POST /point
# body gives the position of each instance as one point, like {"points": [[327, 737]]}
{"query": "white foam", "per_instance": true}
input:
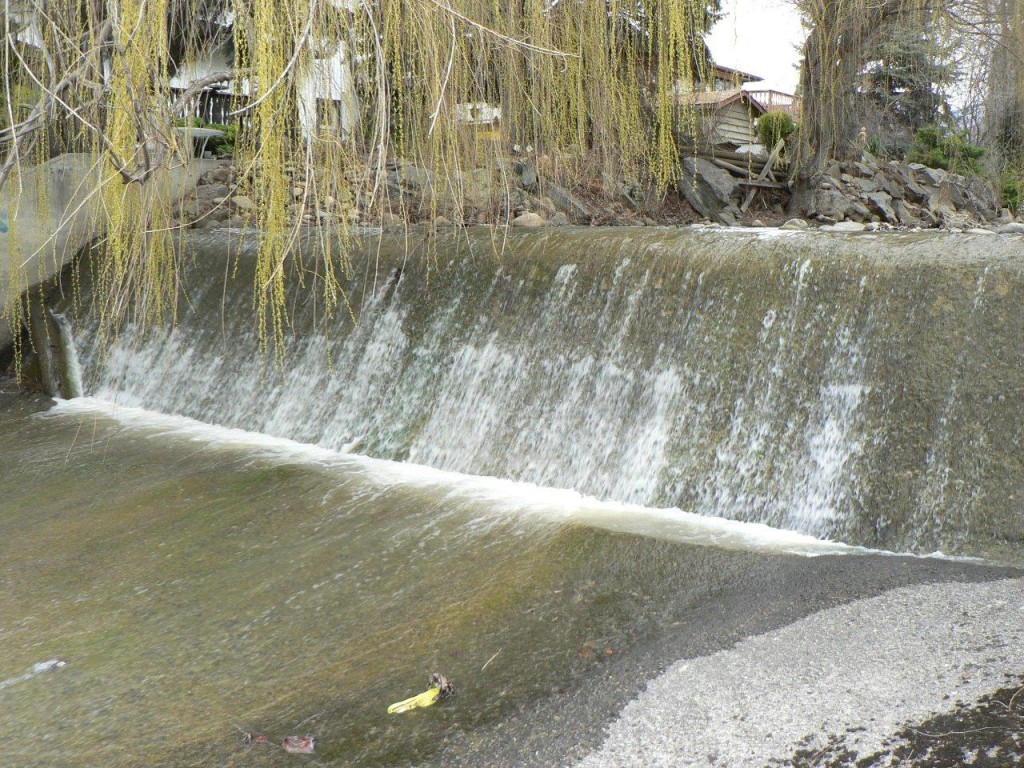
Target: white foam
{"points": [[500, 497], [39, 668]]}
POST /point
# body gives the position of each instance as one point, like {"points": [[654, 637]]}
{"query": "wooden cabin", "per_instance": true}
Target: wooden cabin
{"points": [[724, 118]]}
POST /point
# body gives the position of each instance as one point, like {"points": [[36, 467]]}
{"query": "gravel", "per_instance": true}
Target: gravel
{"points": [[854, 674]]}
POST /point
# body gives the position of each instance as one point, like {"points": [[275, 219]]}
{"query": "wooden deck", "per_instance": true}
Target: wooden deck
{"points": [[777, 101]]}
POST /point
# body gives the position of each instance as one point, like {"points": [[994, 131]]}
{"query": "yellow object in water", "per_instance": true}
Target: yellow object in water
{"points": [[439, 690], [425, 699]]}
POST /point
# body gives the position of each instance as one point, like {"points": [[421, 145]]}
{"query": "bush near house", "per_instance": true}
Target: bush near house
{"points": [[935, 147], [773, 126], [221, 146]]}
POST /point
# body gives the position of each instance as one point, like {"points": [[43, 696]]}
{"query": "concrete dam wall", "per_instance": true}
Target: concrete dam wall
{"points": [[863, 388]]}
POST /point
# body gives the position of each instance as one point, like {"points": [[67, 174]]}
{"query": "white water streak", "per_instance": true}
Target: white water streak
{"points": [[475, 495], [40, 668]]}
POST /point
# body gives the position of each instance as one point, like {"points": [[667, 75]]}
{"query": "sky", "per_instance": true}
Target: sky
{"points": [[761, 37]]}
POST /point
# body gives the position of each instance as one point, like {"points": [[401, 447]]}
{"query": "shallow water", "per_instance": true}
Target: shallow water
{"points": [[195, 583], [167, 585]]}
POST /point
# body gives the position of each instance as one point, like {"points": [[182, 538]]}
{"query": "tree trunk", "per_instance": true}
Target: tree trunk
{"points": [[834, 54], [1004, 104]]}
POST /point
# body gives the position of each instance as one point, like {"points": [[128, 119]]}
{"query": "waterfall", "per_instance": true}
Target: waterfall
{"points": [[793, 379], [71, 368]]}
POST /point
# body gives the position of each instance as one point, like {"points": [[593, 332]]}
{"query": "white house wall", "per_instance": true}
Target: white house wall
{"points": [[219, 60], [327, 79]]}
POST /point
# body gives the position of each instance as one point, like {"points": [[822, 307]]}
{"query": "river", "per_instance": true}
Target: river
{"points": [[547, 468]]}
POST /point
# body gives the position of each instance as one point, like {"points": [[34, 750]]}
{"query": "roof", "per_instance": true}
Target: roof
{"points": [[720, 99], [728, 73]]}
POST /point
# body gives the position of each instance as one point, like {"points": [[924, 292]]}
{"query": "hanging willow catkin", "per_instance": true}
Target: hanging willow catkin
{"points": [[591, 84]]}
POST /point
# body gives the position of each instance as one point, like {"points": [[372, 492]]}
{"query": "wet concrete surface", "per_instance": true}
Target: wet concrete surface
{"points": [[776, 594]]}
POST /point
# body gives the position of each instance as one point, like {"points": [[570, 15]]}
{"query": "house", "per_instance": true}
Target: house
{"points": [[325, 91], [777, 101], [726, 79], [724, 117]]}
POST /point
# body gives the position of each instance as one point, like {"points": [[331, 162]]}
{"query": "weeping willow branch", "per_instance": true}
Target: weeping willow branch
{"points": [[339, 99], [23, 134], [198, 86], [299, 50], [505, 39]]}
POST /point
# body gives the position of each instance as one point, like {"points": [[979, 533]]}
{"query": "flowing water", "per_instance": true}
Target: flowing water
{"points": [[865, 389], [515, 463]]}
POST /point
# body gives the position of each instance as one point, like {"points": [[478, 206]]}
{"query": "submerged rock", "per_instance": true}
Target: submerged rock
{"points": [[845, 226]]}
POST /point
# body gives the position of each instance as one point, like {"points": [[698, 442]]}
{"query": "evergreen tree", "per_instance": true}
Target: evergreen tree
{"points": [[904, 88]]}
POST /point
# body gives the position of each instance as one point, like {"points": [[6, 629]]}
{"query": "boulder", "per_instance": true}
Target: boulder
{"points": [[881, 203], [829, 203], [860, 212], [939, 202], [569, 204], [795, 224], [243, 203], [411, 178], [932, 176], [980, 198], [527, 171], [529, 220], [907, 213], [957, 220], [1013, 228], [211, 191], [712, 191], [478, 188], [891, 185], [865, 185], [866, 169], [389, 220]]}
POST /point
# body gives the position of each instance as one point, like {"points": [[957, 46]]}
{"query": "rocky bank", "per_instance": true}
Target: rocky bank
{"points": [[853, 195]]}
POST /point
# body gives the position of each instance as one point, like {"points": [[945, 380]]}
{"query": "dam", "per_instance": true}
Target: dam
{"points": [[863, 388], [563, 468]]}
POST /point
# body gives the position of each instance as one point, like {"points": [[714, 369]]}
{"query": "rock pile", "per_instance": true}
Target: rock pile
{"points": [[902, 195], [217, 202], [512, 192], [853, 195]]}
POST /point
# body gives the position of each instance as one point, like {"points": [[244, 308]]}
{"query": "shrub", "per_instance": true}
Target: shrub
{"points": [[223, 145], [936, 148], [1013, 190], [773, 126]]}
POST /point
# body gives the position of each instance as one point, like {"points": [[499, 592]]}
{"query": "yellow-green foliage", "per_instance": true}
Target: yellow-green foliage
{"points": [[139, 273], [592, 85]]}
